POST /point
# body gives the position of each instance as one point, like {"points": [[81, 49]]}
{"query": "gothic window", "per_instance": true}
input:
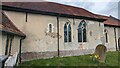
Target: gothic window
{"points": [[82, 32], [67, 33], [79, 33]]}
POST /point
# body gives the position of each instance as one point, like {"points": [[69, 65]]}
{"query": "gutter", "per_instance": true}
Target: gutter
{"points": [[12, 33], [115, 38], [20, 49], [112, 25], [119, 43], [58, 35]]}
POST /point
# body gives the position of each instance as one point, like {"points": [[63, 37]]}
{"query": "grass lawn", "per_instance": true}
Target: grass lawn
{"points": [[83, 60]]}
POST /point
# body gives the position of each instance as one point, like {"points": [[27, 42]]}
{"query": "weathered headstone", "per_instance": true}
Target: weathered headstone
{"points": [[101, 52]]}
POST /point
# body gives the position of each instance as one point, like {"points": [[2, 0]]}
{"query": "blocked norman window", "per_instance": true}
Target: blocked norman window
{"points": [[50, 27]]}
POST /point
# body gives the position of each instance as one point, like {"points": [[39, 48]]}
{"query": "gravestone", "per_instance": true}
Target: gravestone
{"points": [[101, 51]]}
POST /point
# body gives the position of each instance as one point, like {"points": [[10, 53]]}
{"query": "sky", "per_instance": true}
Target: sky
{"points": [[103, 7]]}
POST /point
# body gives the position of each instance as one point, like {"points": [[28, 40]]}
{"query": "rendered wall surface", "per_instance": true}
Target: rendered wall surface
{"points": [[3, 45], [0, 44], [111, 45], [36, 27], [40, 41], [15, 45], [96, 28]]}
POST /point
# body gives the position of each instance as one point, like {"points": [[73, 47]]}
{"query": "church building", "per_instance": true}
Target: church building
{"points": [[51, 29]]}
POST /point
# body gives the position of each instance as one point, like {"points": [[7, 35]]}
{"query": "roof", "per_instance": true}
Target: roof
{"points": [[51, 7], [61, 9], [111, 21], [7, 26]]}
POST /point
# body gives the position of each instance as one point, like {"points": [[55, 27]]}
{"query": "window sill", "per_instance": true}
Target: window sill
{"points": [[82, 42]]}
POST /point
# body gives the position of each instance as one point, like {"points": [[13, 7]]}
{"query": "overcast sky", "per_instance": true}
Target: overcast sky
{"points": [[103, 7]]}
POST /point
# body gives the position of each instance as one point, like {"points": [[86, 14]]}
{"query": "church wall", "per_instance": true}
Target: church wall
{"points": [[111, 45], [118, 36], [36, 27], [95, 34], [119, 31], [15, 45], [39, 43], [2, 43], [4, 38], [92, 41]]}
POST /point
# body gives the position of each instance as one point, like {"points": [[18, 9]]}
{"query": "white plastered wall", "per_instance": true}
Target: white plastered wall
{"points": [[38, 41]]}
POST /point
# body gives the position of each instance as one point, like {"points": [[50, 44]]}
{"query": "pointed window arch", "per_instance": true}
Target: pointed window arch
{"points": [[82, 32], [67, 33], [79, 33]]}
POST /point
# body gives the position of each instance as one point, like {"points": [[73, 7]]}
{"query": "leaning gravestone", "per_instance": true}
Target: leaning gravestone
{"points": [[101, 51]]}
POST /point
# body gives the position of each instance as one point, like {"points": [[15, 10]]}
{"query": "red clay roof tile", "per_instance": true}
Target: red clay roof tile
{"points": [[112, 21], [7, 26], [61, 9], [51, 7]]}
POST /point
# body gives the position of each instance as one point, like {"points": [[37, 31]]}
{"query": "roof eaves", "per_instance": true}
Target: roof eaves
{"points": [[4, 7], [111, 25], [9, 27]]}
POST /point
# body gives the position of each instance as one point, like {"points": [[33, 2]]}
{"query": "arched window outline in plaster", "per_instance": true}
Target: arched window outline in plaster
{"points": [[65, 33], [50, 28], [82, 36], [69, 33]]}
